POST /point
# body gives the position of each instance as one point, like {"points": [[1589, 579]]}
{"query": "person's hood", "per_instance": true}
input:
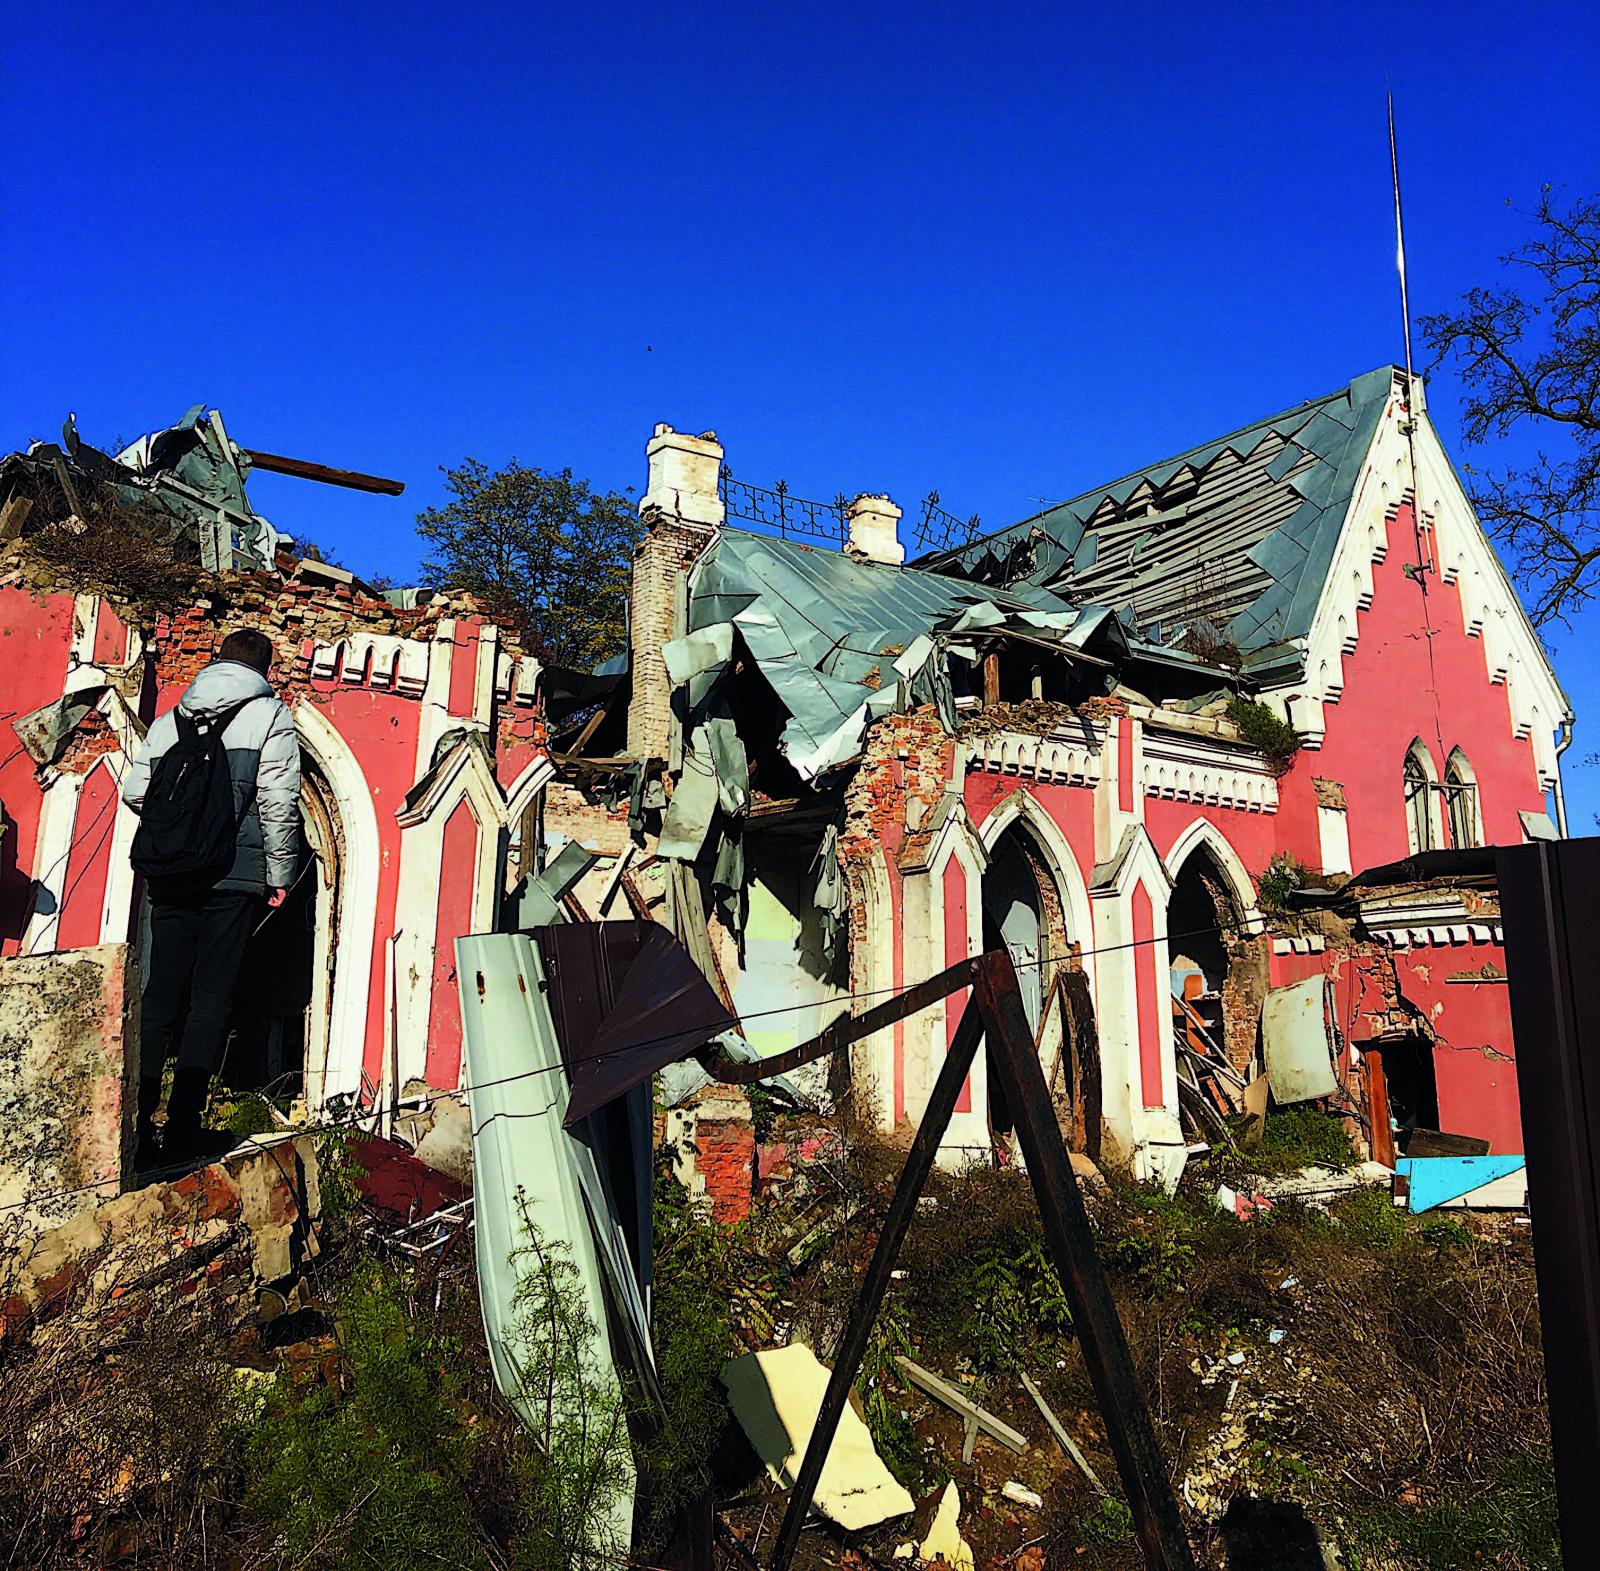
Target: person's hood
{"points": [[221, 685]]}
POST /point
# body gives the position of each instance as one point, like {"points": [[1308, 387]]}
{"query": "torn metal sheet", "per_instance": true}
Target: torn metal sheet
{"points": [[627, 999], [691, 808], [524, 1163], [535, 902], [776, 1395], [44, 732], [1297, 1040], [843, 642]]}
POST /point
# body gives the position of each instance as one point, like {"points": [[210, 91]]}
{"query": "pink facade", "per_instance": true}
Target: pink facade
{"points": [[1114, 823]]}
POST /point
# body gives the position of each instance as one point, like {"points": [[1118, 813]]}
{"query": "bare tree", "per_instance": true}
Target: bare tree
{"points": [[1529, 354]]}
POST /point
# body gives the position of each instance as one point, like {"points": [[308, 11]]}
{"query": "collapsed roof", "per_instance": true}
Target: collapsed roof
{"points": [[1238, 533], [189, 479], [843, 642]]}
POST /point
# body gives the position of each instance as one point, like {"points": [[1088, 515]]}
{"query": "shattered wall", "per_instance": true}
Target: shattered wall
{"points": [[69, 1065], [423, 734]]}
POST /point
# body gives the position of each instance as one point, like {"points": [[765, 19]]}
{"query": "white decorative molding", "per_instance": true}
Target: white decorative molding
{"points": [[1181, 767], [516, 681], [1310, 944], [1064, 757], [1465, 560], [381, 660], [1435, 918]]}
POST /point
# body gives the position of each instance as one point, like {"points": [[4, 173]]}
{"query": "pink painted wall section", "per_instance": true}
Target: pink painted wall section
{"points": [[1474, 1055], [1253, 835], [1389, 699], [463, 667], [1125, 781], [83, 894], [457, 880], [1474, 1059], [35, 635], [110, 637], [956, 948], [1152, 992], [1069, 807]]}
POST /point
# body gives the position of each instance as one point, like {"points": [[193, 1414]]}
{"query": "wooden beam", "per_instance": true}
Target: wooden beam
{"points": [[845, 1030], [991, 679], [853, 1343], [953, 1397], [1145, 1480], [304, 469], [1059, 1430]]}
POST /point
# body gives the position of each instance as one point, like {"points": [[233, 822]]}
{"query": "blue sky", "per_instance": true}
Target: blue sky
{"points": [[1004, 251]]}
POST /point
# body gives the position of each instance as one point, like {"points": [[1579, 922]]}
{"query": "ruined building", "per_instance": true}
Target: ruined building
{"points": [[1236, 721], [1173, 735], [422, 749]]}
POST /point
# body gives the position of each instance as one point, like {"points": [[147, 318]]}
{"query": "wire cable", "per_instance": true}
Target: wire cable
{"points": [[363, 1116]]}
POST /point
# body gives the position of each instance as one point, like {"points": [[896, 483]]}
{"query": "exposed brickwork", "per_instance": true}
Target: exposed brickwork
{"points": [[725, 1151], [903, 772], [669, 547], [87, 745], [232, 1226]]}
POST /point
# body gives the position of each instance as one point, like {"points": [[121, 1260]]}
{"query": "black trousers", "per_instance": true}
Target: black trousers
{"points": [[196, 948]]}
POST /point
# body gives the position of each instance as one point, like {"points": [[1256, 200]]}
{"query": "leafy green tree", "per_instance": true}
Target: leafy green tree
{"points": [[541, 548], [1528, 351]]}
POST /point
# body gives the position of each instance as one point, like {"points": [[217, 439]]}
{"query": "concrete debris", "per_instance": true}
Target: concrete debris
{"points": [[776, 1395], [244, 1227], [944, 1541], [1020, 1494], [69, 1063]]}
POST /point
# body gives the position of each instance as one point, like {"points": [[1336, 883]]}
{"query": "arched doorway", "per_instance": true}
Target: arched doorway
{"points": [[1026, 911], [1215, 965], [283, 1004]]}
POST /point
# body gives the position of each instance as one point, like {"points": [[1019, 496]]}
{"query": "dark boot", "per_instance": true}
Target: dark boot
{"points": [[185, 1140], [147, 1144]]}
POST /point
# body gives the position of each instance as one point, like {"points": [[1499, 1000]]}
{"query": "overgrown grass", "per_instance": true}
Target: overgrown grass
{"points": [[1507, 1519]]}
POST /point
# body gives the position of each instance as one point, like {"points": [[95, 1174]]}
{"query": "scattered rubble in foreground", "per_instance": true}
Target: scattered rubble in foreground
{"points": [[283, 1363]]}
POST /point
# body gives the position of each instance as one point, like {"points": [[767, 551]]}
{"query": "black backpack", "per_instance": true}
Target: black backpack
{"points": [[188, 829]]}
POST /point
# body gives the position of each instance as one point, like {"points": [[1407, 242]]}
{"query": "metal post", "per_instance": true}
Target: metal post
{"points": [[1547, 893], [853, 1344], [1011, 1058]]}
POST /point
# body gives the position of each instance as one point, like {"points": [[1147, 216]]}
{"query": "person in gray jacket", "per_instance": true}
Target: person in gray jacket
{"points": [[198, 935]]}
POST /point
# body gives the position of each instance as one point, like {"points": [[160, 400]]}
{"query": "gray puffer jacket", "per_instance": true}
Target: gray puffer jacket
{"points": [[263, 759]]}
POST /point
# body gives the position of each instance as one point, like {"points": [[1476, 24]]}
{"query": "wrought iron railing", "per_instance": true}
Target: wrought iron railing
{"points": [[776, 510], [942, 531]]}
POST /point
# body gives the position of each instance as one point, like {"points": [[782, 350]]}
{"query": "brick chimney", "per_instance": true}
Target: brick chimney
{"points": [[873, 534], [681, 509]]}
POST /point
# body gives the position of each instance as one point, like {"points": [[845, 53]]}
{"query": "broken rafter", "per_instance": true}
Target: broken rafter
{"points": [[973, 1418], [303, 469]]}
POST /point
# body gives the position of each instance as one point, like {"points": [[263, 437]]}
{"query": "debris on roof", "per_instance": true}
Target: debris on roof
{"points": [[1237, 534], [844, 642], [189, 479]]}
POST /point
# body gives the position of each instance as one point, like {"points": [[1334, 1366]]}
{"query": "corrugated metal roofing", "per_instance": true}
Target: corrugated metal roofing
{"points": [[838, 638], [1239, 532]]}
